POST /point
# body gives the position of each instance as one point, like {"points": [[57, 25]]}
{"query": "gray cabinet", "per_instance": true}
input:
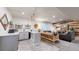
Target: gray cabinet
{"points": [[23, 35], [9, 43], [35, 38]]}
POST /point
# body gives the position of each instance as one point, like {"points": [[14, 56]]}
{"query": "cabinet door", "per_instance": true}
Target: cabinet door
{"points": [[21, 36], [26, 35]]}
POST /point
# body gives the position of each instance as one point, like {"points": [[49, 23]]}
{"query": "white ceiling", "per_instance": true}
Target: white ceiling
{"points": [[72, 12], [45, 12], [17, 11]]}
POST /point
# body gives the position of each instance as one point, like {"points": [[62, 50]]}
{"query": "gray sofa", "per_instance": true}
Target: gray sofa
{"points": [[67, 36]]}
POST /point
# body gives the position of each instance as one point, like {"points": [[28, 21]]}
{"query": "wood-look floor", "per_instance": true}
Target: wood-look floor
{"points": [[26, 45]]}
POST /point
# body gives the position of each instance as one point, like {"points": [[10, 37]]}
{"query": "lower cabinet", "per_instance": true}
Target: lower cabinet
{"points": [[35, 38], [23, 35], [9, 43]]}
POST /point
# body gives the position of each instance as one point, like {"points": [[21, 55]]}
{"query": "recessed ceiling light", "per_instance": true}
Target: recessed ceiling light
{"points": [[22, 13], [54, 16]]}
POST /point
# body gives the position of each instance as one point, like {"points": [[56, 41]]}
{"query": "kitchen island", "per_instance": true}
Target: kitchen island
{"points": [[9, 41]]}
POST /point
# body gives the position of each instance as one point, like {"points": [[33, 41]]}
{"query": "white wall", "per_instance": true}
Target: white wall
{"points": [[45, 26], [21, 21], [42, 25], [2, 12]]}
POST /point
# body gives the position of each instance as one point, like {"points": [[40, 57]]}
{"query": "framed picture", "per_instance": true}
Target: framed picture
{"points": [[4, 21]]}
